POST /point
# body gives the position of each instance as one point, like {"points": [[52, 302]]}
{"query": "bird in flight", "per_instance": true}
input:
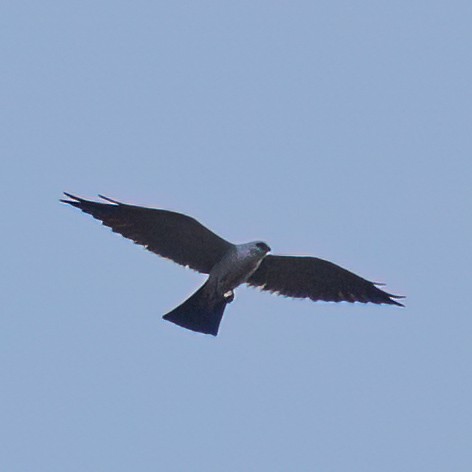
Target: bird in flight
{"points": [[185, 241]]}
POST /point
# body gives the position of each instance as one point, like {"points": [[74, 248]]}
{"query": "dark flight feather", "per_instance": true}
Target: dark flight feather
{"points": [[169, 234], [317, 279]]}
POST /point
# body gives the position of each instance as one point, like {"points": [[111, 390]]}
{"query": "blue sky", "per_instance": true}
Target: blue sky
{"points": [[334, 129]]}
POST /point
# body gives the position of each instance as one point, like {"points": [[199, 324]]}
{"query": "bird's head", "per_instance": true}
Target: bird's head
{"points": [[262, 247]]}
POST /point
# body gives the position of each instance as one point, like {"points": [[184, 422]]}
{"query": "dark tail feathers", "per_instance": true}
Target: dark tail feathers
{"points": [[201, 312]]}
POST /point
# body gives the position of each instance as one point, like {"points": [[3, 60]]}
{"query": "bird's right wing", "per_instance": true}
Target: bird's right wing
{"points": [[317, 279], [171, 235]]}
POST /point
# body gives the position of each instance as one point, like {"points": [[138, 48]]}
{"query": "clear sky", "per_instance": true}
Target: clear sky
{"points": [[331, 128]]}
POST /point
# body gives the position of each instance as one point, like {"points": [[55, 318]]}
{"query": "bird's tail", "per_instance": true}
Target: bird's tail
{"points": [[201, 312]]}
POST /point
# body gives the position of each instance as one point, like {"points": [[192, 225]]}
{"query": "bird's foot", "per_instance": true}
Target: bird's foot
{"points": [[229, 296]]}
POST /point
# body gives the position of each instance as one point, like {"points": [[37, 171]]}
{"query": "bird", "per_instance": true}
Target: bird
{"points": [[187, 242]]}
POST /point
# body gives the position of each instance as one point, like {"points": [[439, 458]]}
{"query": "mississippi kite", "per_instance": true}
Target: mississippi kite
{"points": [[184, 240]]}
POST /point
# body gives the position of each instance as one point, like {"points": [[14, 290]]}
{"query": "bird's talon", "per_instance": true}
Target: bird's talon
{"points": [[229, 296]]}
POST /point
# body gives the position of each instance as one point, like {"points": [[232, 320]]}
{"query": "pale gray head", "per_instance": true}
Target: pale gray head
{"points": [[262, 247], [257, 249]]}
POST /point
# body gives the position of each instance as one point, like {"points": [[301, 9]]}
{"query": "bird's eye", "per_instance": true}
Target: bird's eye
{"points": [[263, 247]]}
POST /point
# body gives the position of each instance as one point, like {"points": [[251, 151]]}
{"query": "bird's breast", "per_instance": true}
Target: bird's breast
{"points": [[233, 270]]}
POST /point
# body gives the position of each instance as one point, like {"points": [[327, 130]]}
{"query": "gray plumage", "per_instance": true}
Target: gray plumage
{"points": [[186, 241]]}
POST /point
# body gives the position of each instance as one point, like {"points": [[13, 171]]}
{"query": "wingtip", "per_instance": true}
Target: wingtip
{"points": [[392, 299], [73, 199], [394, 302], [107, 199]]}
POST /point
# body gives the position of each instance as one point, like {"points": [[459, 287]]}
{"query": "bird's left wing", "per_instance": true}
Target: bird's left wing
{"points": [[171, 235], [317, 279]]}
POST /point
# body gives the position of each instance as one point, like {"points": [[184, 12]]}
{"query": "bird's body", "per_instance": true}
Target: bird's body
{"points": [[237, 265], [186, 241], [204, 309]]}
